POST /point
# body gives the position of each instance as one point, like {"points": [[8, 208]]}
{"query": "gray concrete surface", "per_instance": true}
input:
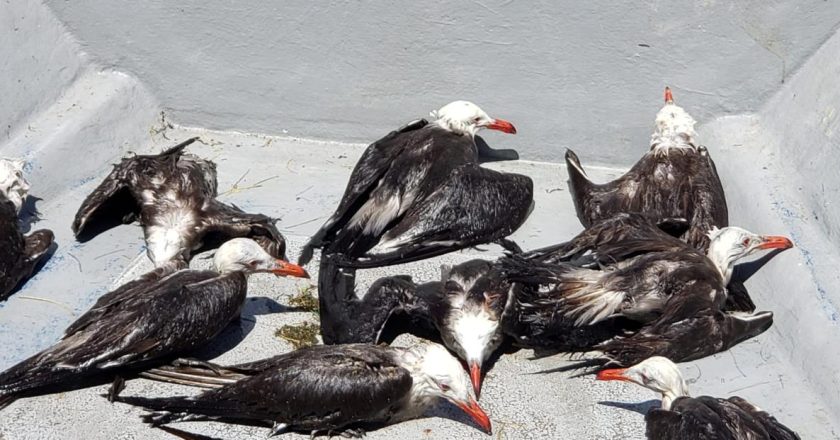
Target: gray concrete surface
{"points": [[69, 117], [567, 73], [306, 181]]}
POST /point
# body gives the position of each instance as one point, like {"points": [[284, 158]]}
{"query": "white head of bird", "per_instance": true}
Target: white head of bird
{"points": [[245, 255], [438, 374], [655, 373], [474, 335], [464, 117], [674, 127], [730, 244], [13, 185]]}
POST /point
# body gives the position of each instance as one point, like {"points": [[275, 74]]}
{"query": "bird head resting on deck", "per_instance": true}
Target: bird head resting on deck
{"points": [[437, 374], [730, 244], [656, 373], [12, 183], [245, 255], [464, 117], [674, 128], [478, 297]]}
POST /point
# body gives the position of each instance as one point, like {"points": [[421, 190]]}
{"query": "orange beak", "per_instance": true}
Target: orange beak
{"points": [[502, 125], [477, 414], [775, 242], [669, 98], [612, 374], [286, 269], [475, 377]]}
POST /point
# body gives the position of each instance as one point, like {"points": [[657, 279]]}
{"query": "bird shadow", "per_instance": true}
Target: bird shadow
{"points": [[638, 407], [239, 329], [29, 214], [489, 154], [40, 265], [745, 271]]}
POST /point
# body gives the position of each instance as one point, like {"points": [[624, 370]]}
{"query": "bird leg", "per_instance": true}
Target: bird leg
{"points": [[116, 388]]}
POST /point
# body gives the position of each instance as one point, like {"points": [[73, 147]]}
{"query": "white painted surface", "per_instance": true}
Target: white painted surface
{"points": [[565, 74]]}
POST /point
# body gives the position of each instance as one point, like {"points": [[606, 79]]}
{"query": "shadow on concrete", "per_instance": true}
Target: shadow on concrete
{"points": [[638, 407]]}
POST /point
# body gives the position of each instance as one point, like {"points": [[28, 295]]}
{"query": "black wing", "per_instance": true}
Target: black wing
{"points": [[708, 202], [112, 202], [176, 315], [138, 286], [688, 339], [320, 388], [776, 430], [687, 419], [474, 206], [12, 243], [221, 222], [374, 163], [593, 202], [615, 239]]}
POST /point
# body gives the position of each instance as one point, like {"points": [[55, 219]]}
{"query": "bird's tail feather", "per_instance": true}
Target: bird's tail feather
{"points": [[185, 372]]}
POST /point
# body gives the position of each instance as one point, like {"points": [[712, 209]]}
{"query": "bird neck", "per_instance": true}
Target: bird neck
{"points": [[722, 259], [457, 127], [680, 389]]}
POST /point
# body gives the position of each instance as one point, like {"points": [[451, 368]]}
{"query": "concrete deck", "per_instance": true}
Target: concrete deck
{"points": [[301, 182]]}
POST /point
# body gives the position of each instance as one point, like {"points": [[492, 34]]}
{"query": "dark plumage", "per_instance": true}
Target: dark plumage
{"points": [[339, 388], [697, 418], [465, 309], [171, 310], [173, 196], [675, 179], [626, 279], [20, 253], [419, 192]]}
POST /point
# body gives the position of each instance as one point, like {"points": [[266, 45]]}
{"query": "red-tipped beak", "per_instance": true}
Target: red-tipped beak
{"points": [[775, 242], [669, 98], [286, 269], [502, 125], [612, 374], [476, 413], [475, 377]]}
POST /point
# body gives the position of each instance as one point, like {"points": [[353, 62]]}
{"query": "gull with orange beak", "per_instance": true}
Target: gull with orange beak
{"points": [[328, 389], [400, 201], [628, 289], [684, 417], [163, 313]]}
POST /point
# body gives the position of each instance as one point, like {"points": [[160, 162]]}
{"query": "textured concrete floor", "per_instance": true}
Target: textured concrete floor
{"points": [[302, 181]]}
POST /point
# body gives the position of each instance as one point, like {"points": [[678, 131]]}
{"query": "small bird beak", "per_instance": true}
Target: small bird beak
{"points": [[775, 242], [286, 269], [475, 377], [502, 125], [669, 98], [477, 414], [612, 374]]}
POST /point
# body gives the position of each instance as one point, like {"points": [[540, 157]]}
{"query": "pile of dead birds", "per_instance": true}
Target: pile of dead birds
{"points": [[648, 282]]}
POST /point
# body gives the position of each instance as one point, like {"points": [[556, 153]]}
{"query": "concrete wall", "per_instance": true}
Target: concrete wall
{"points": [[39, 60], [568, 73], [779, 168]]}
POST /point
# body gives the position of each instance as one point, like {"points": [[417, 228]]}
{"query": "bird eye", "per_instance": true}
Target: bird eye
{"points": [[746, 242], [444, 387], [477, 119], [253, 263]]}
